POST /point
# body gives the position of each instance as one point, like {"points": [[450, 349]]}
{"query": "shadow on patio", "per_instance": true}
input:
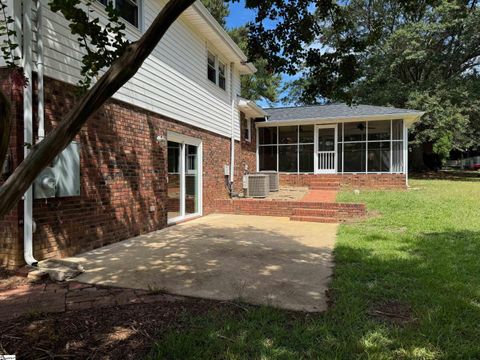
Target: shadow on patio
{"points": [[261, 260]]}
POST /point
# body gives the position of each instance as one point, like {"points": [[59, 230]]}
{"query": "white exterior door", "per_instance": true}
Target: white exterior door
{"points": [[326, 149], [184, 185]]}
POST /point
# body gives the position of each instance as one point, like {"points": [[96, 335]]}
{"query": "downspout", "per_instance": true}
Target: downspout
{"points": [[232, 145], [406, 156], [28, 131], [40, 73]]}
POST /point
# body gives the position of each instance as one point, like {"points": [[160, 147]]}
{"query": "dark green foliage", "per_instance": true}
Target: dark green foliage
{"points": [[103, 44], [219, 9], [264, 84], [423, 55]]}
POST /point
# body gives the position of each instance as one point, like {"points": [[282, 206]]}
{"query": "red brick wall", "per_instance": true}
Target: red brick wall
{"points": [[369, 181], [285, 208], [11, 248], [245, 155], [123, 179]]}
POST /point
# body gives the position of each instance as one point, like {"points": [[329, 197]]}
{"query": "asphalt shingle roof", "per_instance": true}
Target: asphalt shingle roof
{"points": [[331, 111]]}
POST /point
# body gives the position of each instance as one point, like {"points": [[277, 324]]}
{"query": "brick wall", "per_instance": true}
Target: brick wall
{"points": [[284, 208], [11, 248], [245, 155], [362, 181], [123, 178]]}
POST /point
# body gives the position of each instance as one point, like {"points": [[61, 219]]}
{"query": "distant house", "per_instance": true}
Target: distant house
{"points": [[173, 140]]}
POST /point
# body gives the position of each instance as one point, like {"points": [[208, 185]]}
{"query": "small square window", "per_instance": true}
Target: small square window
{"points": [[221, 75], [212, 72], [247, 130]]}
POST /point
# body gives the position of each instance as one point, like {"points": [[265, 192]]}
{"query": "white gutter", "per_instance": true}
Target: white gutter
{"points": [[40, 73], [220, 31], [28, 130], [232, 145], [250, 108], [409, 117]]}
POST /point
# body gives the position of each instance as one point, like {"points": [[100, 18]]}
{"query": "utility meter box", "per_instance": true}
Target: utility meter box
{"points": [[63, 178], [45, 185], [67, 171]]}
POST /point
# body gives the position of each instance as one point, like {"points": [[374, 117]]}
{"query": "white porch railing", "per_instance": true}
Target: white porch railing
{"points": [[326, 161]]}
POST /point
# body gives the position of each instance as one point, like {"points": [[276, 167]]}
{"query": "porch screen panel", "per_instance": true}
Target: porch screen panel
{"points": [[379, 156], [288, 158], [291, 147], [397, 156], [267, 156], [354, 159], [371, 147], [306, 158], [397, 146]]}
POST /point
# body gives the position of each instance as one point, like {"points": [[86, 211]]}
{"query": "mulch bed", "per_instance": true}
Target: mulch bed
{"points": [[123, 332], [10, 280]]}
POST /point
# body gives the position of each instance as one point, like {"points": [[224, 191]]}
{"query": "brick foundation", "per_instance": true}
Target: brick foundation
{"points": [[359, 181]]}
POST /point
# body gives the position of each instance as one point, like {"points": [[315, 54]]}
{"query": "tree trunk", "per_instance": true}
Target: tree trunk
{"points": [[122, 70], [5, 127]]}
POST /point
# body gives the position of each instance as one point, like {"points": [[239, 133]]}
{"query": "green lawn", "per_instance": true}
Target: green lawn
{"points": [[422, 251]]}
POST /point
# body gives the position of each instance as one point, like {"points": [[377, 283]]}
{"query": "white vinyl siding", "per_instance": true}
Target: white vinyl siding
{"points": [[171, 82]]}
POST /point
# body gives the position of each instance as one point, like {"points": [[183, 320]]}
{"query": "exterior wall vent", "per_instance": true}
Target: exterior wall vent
{"points": [[257, 185], [274, 179]]}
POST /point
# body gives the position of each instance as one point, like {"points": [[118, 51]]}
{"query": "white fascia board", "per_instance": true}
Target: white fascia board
{"points": [[410, 118], [245, 67], [250, 108]]}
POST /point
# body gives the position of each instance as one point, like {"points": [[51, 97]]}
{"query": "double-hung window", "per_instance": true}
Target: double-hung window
{"points": [[216, 71], [128, 10]]}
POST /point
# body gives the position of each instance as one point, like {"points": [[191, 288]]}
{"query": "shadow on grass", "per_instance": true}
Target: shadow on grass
{"points": [[436, 274], [450, 175]]}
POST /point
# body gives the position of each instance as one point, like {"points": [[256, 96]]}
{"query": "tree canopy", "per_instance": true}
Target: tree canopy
{"points": [[423, 55]]}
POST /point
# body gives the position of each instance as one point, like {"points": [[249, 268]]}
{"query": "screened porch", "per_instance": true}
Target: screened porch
{"points": [[350, 147]]}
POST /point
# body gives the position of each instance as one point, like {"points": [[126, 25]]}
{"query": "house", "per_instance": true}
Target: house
{"points": [[172, 141], [360, 146]]}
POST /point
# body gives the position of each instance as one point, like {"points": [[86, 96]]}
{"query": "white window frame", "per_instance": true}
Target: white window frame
{"points": [[218, 61], [367, 141], [249, 128], [140, 12], [315, 154], [187, 140]]}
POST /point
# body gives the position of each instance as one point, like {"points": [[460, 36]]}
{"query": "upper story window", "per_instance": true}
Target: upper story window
{"points": [[216, 71], [221, 75], [212, 69], [128, 10]]}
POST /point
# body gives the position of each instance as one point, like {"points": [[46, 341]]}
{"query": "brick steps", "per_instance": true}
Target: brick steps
{"points": [[318, 219], [316, 212], [324, 184], [324, 187], [315, 215]]}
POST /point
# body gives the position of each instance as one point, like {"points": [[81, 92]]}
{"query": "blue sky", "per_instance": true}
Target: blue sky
{"points": [[239, 15]]}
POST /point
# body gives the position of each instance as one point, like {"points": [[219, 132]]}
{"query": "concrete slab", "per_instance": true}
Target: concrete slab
{"points": [[260, 260]]}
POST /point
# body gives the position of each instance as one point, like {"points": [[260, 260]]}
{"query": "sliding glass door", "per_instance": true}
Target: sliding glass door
{"points": [[184, 177]]}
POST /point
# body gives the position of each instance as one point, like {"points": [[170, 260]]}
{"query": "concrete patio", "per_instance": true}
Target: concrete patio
{"points": [[260, 260]]}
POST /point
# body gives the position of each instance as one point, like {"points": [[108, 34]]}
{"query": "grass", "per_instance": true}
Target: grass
{"points": [[423, 251]]}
